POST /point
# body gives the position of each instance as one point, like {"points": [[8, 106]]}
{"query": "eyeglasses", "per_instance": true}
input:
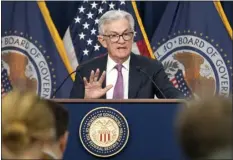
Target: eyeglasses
{"points": [[115, 37]]}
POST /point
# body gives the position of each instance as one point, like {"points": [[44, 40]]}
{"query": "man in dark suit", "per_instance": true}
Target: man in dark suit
{"points": [[124, 75]]}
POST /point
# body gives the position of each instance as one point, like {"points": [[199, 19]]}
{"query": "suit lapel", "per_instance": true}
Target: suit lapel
{"points": [[134, 77]]}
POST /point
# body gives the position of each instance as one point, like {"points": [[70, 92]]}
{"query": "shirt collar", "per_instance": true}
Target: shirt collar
{"points": [[111, 64]]}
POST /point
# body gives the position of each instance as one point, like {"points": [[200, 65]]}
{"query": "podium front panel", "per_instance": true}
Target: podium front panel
{"points": [[152, 135]]}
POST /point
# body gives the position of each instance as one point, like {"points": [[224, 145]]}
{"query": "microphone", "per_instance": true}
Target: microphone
{"points": [[77, 70], [141, 70], [64, 82]]}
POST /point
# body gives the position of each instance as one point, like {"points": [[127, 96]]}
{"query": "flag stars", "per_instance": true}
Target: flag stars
{"points": [[122, 2], [212, 40], [89, 15], [77, 19], [228, 61], [225, 55], [85, 52], [85, 25], [206, 37], [111, 5], [44, 51], [100, 10], [21, 33], [93, 31], [97, 47], [217, 45], [195, 32], [221, 50], [163, 39], [104, 1], [36, 41], [89, 41], [96, 21], [93, 5], [201, 34], [15, 31], [81, 9], [81, 36], [188, 31], [135, 33], [30, 38]]}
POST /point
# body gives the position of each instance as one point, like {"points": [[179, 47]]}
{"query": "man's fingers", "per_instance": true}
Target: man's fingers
{"points": [[101, 80], [107, 88], [97, 73], [91, 77], [85, 81]]}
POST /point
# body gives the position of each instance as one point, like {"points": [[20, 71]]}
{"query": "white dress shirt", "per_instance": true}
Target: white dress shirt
{"points": [[111, 76]]}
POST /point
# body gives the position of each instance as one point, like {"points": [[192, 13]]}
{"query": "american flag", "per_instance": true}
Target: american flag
{"points": [[84, 30], [6, 85], [179, 82]]}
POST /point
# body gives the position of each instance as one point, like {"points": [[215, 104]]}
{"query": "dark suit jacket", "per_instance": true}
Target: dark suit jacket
{"points": [[140, 86]]}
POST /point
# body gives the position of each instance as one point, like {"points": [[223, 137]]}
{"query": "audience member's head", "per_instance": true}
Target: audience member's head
{"points": [[61, 116], [205, 129], [27, 125]]}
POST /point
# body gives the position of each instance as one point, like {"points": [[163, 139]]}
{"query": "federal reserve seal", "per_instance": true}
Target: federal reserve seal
{"points": [[195, 64], [27, 65], [104, 132]]}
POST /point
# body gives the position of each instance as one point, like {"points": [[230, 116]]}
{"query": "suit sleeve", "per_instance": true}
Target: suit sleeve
{"points": [[78, 86], [162, 81]]}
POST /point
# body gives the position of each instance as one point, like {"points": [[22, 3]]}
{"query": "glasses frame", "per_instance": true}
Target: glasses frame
{"points": [[119, 35]]}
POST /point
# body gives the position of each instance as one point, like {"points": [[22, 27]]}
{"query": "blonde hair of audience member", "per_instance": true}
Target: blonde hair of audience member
{"points": [[205, 128], [27, 125]]}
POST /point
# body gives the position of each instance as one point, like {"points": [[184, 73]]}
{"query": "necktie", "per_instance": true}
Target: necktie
{"points": [[118, 92]]}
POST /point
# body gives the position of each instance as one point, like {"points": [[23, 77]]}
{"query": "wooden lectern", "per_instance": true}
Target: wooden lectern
{"points": [[152, 135]]}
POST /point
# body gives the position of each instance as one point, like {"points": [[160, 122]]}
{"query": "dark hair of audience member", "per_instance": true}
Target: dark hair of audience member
{"points": [[61, 116], [205, 127]]}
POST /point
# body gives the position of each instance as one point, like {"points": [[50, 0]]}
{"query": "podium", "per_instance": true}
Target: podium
{"points": [[152, 135]]}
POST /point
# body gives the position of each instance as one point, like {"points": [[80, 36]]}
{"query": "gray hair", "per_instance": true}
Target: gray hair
{"points": [[114, 15]]}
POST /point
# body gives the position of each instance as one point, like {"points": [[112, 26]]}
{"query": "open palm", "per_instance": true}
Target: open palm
{"points": [[93, 88]]}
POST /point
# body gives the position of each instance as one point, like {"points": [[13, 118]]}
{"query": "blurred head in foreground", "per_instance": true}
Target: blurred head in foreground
{"points": [[205, 129], [27, 125], [61, 116]]}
